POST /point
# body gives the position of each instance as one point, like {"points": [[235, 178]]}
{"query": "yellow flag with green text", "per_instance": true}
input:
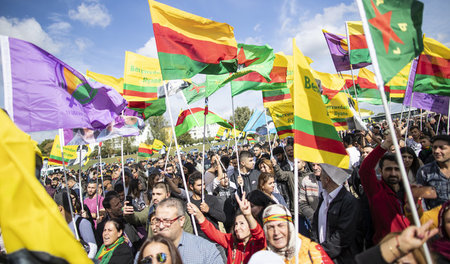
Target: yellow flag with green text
{"points": [[283, 118], [315, 138], [142, 76], [55, 158]]}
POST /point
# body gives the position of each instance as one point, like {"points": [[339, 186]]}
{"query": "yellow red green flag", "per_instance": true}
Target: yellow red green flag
{"points": [[315, 138]]}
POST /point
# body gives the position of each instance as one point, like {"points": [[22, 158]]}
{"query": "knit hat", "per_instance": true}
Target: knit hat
{"points": [[258, 198], [338, 175], [278, 212]]}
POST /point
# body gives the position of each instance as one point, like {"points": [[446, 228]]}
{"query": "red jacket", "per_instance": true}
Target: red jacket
{"points": [[387, 211], [237, 252]]}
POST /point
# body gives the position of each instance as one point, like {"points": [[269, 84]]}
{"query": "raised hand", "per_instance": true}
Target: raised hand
{"points": [[244, 204], [195, 211]]}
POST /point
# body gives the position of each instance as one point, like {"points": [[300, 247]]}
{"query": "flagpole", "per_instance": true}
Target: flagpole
{"points": [[379, 81], [123, 169], [235, 142], [296, 205], [409, 117], [268, 133], [101, 167], [198, 124], [168, 153], [203, 152], [61, 144], [439, 122], [448, 119], [79, 181], [179, 157], [351, 68]]}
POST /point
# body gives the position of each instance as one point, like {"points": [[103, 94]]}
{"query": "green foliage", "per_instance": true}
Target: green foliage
{"points": [[185, 139], [242, 114], [46, 147], [157, 125]]}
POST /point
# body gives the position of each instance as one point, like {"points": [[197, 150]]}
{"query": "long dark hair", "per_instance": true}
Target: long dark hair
{"points": [[174, 254], [415, 164]]}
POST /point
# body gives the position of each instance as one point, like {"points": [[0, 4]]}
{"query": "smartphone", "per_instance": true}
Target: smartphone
{"points": [[129, 199]]}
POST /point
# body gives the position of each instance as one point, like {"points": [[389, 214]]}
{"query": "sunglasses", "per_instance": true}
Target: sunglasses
{"points": [[160, 258]]}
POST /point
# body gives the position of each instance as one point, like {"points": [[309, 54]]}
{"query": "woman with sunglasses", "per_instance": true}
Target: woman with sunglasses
{"points": [[114, 249], [158, 250], [246, 238]]}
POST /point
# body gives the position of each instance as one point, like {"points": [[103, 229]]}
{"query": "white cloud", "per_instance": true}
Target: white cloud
{"points": [[30, 30], [83, 43], [93, 14], [257, 28], [253, 41], [149, 49], [307, 29], [59, 28]]}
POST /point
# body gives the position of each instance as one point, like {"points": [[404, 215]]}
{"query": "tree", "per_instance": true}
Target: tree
{"points": [[46, 147], [157, 127], [127, 144], [242, 114], [185, 139]]}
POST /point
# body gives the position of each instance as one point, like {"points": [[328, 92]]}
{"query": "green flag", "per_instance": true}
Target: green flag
{"points": [[186, 120], [149, 108], [396, 32]]}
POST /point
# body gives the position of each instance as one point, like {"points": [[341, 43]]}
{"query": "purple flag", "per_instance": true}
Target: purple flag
{"points": [[43, 93], [339, 52], [430, 102], [122, 126]]}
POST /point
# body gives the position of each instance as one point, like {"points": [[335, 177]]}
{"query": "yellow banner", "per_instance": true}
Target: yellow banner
{"points": [[70, 153], [283, 118]]}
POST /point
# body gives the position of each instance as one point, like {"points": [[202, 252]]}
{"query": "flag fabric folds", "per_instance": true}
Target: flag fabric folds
{"points": [[257, 123], [149, 108], [433, 69], [255, 81], [251, 140], [222, 133], [43, 93], [145, 150], [367, 88], [337, 44], [188, 44], [283, 118], [315, 138], [397, 85], [186, 120], [359, 52], [395, 27], [55, 158], [122, 126], [276, 96], [157, 145], [41, 235]]}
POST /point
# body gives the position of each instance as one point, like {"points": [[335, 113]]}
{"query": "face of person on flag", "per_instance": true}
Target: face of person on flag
{"points": [[110, 233], [441, 151], [91, 188]]}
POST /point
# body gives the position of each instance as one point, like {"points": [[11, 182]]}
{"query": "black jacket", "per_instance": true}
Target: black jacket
{"points": [[342, 217], [250, 181]]}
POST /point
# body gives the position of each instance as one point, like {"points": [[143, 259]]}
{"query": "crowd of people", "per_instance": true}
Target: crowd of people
{"points": [[242, 209]]}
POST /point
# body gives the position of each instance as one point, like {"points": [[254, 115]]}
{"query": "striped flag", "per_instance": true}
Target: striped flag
{"points": [[157, 145], [315, 138], [186, 120], [55, 158], [188, 44], [283, 118], [276, 96], [433, 69], [397, 85], [149, 108], [145, 150], [357, 44], [251, 140]]}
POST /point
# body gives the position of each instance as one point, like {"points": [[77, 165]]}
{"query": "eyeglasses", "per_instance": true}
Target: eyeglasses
{"points": [[160, 258], [165, 222]]}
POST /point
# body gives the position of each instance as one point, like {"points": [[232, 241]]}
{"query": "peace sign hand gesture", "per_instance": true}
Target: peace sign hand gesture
{"points": [[244, 204]]}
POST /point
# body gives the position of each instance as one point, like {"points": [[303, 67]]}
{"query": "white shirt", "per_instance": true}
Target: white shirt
{"points": [[323, 210]]}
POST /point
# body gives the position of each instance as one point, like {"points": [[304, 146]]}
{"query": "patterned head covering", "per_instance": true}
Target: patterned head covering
{"points": [[278, 212]]}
